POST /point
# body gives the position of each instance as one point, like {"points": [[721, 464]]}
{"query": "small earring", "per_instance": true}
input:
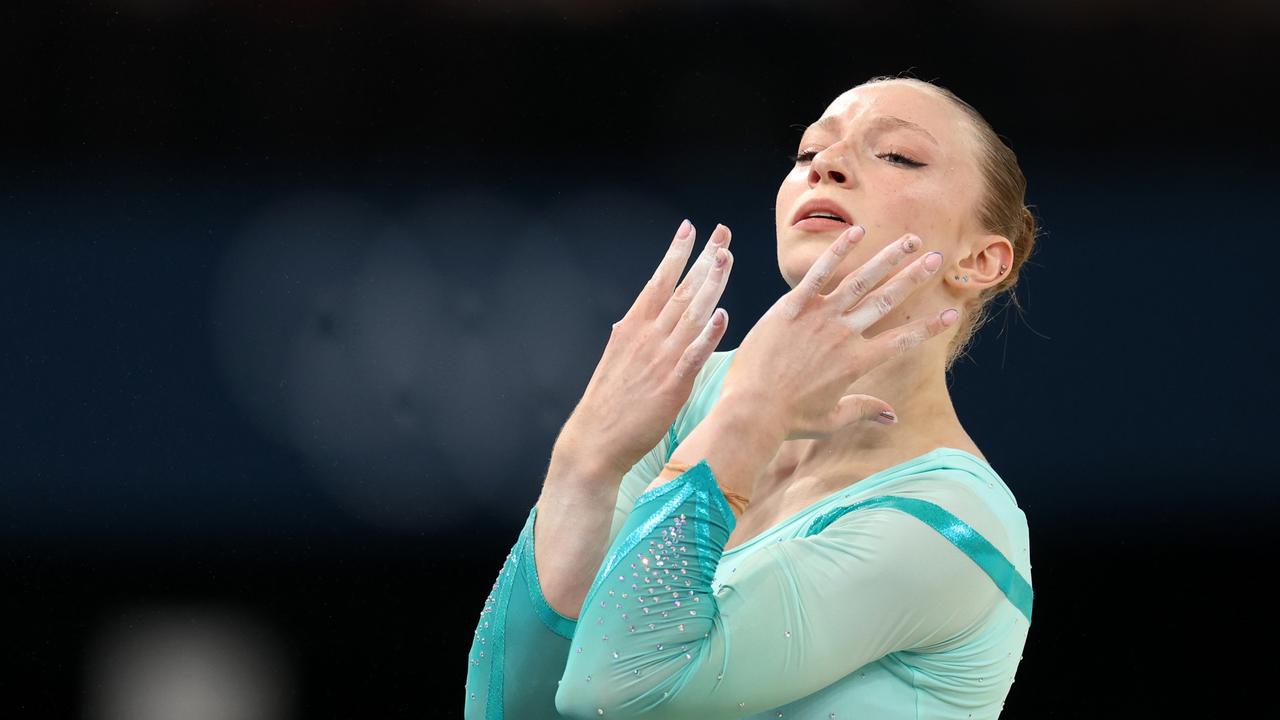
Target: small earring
{"points": [[1002, 268], [962, 279]]}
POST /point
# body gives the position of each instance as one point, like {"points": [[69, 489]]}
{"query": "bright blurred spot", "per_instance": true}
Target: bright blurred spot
{"points": [[188, 663]]}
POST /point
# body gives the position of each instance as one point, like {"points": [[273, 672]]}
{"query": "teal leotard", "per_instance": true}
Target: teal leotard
{"points": [[905, 595]]}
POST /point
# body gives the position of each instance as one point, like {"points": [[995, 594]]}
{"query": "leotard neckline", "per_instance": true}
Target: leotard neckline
{"points": [[872, 478]]}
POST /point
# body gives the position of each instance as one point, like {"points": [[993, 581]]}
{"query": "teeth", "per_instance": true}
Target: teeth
{"points": [[825, 215]]}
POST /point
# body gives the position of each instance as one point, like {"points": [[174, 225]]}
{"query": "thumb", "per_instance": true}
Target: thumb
{"points": [[861, 408]]}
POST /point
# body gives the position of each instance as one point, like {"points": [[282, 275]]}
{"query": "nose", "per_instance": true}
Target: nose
{"points": [[830, 165]]}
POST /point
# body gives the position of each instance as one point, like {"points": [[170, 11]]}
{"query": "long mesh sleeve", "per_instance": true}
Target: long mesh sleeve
{"points": [[521, 643], [655, 640]]}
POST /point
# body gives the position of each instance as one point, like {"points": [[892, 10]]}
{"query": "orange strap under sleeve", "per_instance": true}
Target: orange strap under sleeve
{"points": [[673, 469]]}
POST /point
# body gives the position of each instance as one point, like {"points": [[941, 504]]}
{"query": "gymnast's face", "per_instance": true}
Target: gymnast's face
{"points": [[891, 178]]}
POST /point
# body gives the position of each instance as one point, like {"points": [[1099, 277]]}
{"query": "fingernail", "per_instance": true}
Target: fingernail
{"points": [[949, 316], [933, 261], [685, 227], [886, 417], [721, 256]]}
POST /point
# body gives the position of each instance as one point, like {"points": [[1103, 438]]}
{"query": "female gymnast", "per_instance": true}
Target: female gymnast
{"points": [[799, 527]]}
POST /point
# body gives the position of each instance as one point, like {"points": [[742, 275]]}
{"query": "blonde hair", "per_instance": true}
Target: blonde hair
{"points": [[1002, 210]]}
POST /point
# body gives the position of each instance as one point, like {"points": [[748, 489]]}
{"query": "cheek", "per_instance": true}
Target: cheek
{"points": [[921, 208], [788, 192]]}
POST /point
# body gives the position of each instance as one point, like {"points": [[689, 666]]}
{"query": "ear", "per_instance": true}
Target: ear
{"points": [[982, 265]]}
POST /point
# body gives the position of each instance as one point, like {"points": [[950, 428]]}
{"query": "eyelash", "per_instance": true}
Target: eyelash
{"points": [[902, 159]]}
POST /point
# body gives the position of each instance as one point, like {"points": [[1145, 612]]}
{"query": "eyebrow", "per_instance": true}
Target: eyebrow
{"points": [[831, 122]]}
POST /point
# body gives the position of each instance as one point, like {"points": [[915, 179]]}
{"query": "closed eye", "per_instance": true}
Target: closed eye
{"points": [[893, 157], [900, 159]]}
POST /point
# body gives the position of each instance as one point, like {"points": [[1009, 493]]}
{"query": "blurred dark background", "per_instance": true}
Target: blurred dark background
{"points": [[296, 296]]}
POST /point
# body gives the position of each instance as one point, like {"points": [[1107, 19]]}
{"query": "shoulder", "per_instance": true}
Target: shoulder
{"points": [[961, 477], [907, 548], [933, 536], [966, 498]]}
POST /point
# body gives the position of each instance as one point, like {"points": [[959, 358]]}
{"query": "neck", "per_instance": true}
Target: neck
{"points": [[914, 384]]}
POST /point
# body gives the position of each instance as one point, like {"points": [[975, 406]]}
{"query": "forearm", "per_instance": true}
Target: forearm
{"points": [[571, 530], [737, 445]]}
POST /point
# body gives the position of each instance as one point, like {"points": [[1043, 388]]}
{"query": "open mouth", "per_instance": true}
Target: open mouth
{"points": [[821, 213]]}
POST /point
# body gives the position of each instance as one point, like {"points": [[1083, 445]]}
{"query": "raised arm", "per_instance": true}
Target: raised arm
{"points": [[579, 505], [652, 364], [521, 641], [654, 361]]}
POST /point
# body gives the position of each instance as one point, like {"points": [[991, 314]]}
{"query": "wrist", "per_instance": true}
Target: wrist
{"points": [[736, 445], [582, 476], [744, 414], [579, 459]]}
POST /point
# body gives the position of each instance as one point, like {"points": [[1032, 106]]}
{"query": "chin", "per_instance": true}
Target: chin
{"points": [[793, 274]]}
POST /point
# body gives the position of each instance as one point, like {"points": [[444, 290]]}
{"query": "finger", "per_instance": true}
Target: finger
{"points": [[851, 409], [879, 303], [677, 305], [862, 408], [896, 341], [678, 302], [699, 310], [699, 351], [817, 277], [860, 282], [656, 291]]}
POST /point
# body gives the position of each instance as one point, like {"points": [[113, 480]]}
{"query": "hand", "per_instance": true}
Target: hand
{"points": [[652, 358], [794, 366]]}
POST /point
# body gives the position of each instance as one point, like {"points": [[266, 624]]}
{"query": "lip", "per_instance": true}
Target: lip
{"points": [[822, 205], [821, 225]]}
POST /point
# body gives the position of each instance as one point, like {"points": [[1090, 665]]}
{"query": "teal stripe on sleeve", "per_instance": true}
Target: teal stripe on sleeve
{"points": [[961, 534], [493, 705], [557, 623]]}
